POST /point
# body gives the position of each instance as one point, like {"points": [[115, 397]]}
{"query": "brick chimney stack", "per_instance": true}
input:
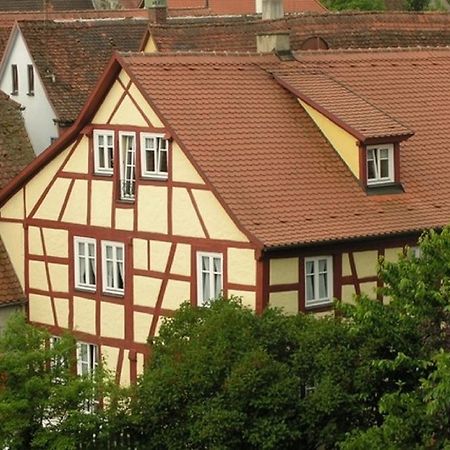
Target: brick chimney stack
{"points": [[157, 10]]}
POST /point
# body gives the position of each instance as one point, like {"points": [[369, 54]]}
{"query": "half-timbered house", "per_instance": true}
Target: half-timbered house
{"points": [[281, 181]]}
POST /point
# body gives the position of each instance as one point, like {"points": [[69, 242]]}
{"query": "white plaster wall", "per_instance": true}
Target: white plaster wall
{"points": [[38, 113], [259, 6]]}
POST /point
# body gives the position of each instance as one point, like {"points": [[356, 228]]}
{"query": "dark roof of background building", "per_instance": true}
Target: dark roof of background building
{"points": [[70, 56], [15, 153], [40, 5], [339, 30]]}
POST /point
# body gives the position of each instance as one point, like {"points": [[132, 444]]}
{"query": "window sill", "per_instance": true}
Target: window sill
{"points": [[103, 174], [14, 93], [384, 189], [114, 294], [155, 177], [317, 307], [85, 289], [30, 94]]}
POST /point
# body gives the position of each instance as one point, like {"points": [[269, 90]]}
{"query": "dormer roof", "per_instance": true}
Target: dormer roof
{"points": [[356, 115]]}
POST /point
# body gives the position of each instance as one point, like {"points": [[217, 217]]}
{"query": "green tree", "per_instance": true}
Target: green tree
{"points": [[42, 401], [359, 5], [417, 5]]}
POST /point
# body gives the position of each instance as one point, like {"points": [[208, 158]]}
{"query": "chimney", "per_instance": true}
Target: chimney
{"points": [[272, 9], [157, 10], [277, 41]]}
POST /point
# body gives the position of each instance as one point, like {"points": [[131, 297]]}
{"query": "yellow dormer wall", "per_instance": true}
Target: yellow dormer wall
{"points": [[150, 45], [342, 141]]}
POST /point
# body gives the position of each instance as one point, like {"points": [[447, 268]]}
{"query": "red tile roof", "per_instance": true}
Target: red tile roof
{"points": [[271, 165], [339, 30], [334, 99], [75, 53], [221, 7], [268, 161], [15, 153], [39, 5]]}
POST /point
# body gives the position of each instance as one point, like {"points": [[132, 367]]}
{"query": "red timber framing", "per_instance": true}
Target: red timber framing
{"points": [[127, 346], [337, 251]]}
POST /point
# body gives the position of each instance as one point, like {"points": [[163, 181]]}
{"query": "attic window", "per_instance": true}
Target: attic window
{"points": [[380, 164], [14, 80], [30, 72]]}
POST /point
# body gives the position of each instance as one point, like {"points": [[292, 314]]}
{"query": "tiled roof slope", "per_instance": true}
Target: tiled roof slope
{"points": [[270, 163], [39, 5], [340, 30], [217, 7], [5, 31], [76, 54], [15, 153], [363, 119]]}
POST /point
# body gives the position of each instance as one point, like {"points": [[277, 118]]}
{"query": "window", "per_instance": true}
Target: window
{"points": [[85, 263], [380, 164], [113, 267], [30, 72], [209, 276], [14, 80], [87, 357], [104, 152], [318, 280], [154, 155], [127, 165]]}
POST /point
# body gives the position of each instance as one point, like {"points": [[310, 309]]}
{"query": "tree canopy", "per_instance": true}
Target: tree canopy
{"points": [[374, 375]]}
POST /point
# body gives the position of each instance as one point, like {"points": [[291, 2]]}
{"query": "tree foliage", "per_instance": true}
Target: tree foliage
{"points": [[42, 401], [359, 5], [376, 375]]}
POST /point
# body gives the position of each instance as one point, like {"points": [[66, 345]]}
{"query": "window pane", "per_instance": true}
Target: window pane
{"points": [[91, 271], [81, 248], [384, 153], [384, 168], [109, 274], [205, 263], [205, 286], [310, 267], [163, 144], [109, 252], [109, 140], [163, 161], [119, 253], [110, 157], [322, 265], [149, 143], [217, 265], [120, 282], [310, 294], [91, 249], [81, 271], [217, 285], [150, 160], [323, 286]]}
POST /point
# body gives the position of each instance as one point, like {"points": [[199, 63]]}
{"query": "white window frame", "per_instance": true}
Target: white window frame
{"points": [[91, 363], [159, 174], [113, 289], [123, 164], [200, 294], [105, 134], [317, 301], [378, 179], [86, 241]]}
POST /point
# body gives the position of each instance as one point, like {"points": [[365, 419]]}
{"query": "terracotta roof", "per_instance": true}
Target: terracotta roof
{"points": [[39, 5], [276, 172], [221, 7], [339, 103], [15, 153], [5, 31], [76, 53], [339, 30]]}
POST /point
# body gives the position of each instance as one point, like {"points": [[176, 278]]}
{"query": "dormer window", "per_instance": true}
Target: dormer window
{"points": [[380, 164]]}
